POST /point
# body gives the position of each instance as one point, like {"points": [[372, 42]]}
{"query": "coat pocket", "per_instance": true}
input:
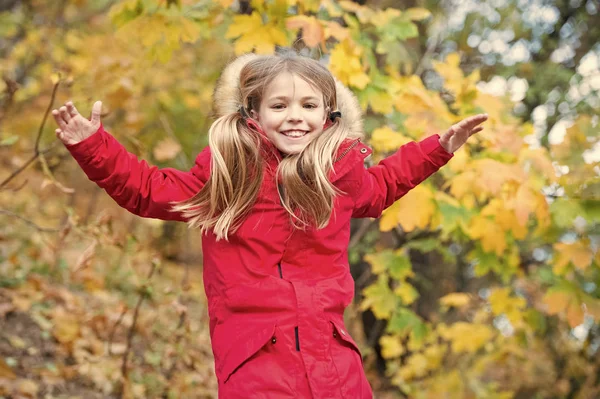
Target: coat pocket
{"points": [[242, 349], [343, 337], [348, 363]]}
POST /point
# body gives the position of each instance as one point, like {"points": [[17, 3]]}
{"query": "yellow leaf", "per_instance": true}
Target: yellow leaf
{"points": [[492, 174], [345, 63], [505, 218], [421, 205], [391, 346], [578, 253], [225, 3], [459, 161], [462, 87], [384, 17], [503, 303], [389, 217], [380, 101], [538, 159], [312, 31], [253, 34], [16, 342], [166, 149], [363, 13], [406, 292], [462, 185], [467, 337], [417, 365], [66, 327], [417, 14], [28, 388], [310, 5], [379, 298], [525, 203], [384, 139], [492, 237], [456, 299], [55, 78]]}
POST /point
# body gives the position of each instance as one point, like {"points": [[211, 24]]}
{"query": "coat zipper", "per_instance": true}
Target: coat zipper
{"points": [[295, 328], [347, 150]]}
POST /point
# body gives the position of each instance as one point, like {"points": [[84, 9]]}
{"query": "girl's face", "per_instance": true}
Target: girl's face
{"points": [[291, 113]]}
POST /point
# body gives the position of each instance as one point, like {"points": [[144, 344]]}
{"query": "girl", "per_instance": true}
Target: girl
{"points": [[273, 195]]}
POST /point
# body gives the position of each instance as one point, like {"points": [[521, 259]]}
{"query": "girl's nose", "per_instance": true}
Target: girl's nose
{"points": [[294, 114]]}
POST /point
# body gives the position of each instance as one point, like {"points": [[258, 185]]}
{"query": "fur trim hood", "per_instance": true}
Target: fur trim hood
{"points": [[227, 97]]}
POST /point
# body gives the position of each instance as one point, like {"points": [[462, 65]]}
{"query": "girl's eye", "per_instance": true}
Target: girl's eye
{"points": [[278, 106], [310, 106]]}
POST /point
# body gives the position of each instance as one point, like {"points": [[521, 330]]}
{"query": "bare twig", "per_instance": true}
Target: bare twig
{"points": [[426, 57], [362, 230], [181, 155], [30, 223], [114, 329], [131, 333], [36, 149]]}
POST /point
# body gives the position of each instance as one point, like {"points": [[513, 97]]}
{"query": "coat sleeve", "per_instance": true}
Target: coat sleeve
{"points": [[381, 185], [144, 190]]}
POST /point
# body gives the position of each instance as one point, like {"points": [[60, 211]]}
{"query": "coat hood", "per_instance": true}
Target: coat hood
{"points": [[227, 97]]}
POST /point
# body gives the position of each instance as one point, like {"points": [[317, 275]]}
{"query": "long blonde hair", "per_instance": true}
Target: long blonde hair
{"points": [[237, 165]]}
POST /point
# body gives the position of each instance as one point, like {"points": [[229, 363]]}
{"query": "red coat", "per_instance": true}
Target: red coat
{"points": [[276, 296]]}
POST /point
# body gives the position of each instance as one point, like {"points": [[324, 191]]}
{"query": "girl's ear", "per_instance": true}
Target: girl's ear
{"points": [[254, 114], [326, 116]]}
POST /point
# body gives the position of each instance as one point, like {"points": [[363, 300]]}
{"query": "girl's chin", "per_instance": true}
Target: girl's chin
{"points": [[291, 149]]}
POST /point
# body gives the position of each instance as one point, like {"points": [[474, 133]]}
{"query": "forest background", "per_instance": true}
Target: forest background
{"points": [[483, 282]]}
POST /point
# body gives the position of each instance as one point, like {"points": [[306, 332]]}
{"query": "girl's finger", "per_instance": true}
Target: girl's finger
{"points": [[476, 130], [64, 114], [59, 133], [59, 120], [71, 109], [472, 121]]}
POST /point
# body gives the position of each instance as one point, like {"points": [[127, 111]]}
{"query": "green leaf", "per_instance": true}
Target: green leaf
{"points": [[8, 141], [379, 298], [402, 320], [401, 268], [122, 13], [564, 211], [399, 30]]}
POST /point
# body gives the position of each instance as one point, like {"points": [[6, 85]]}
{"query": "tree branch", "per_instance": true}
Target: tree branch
{"points": [[36, 149]]}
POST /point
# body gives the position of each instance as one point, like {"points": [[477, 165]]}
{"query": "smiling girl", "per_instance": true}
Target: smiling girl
{"points": [[273, 195]]}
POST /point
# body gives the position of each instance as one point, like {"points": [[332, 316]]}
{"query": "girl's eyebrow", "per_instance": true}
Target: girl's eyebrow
{"points": [[305, 98]]}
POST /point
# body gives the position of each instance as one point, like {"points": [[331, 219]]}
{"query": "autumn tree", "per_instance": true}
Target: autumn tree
{"points": [[481, 282]]}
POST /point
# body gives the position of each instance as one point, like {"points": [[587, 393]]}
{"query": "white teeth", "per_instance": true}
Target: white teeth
{"points": [[294, 133]]}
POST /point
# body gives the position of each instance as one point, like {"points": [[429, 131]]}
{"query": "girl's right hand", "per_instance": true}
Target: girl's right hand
{"points": [[73, 127]]}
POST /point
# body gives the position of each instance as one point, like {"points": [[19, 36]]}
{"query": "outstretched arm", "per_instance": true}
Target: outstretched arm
{"points": [[381, 185], [136, 186]]}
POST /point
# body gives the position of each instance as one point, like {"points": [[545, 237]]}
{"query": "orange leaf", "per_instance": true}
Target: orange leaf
{"points": [[575, 314], [6, 371], [312, 31], [166, 149], [556, 301]]}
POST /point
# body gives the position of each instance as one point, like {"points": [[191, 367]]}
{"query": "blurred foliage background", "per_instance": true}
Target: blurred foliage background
{"points": [[483, 282]]}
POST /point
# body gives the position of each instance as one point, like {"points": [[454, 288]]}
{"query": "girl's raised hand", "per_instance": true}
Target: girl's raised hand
{"points": [[73, 127], [458, 134]]}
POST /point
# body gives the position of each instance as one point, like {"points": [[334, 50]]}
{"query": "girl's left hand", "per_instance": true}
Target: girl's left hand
{"points": [[458, 134]]}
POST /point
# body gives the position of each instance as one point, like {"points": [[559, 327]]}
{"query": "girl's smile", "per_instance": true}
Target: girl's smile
{"points": [[291, 113]]}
